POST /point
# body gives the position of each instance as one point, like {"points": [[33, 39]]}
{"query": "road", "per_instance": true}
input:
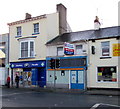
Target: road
{"points": [[28, 98]]}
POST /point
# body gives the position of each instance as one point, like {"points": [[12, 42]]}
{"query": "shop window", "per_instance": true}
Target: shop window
{"points": [[60, 51], [27, 49], [107, 74], [105, 46], [62, 73]]}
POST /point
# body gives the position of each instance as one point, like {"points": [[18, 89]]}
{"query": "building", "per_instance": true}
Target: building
{"points": [[104, 58], [94, 51], [27, 43], [73, 64], [4, 58]]}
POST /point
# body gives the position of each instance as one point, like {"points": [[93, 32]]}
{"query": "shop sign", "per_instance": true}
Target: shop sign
{"points": [[31, 64], [68, 49], [116, 49]]}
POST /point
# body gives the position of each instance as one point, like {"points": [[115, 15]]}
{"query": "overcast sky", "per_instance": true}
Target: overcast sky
{"points": [[80, 13]]}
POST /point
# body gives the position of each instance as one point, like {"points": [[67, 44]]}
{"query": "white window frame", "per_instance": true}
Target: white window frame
{"points": [[106, 81], [61, 51], [78, 53], [36, 28], [105, 47], [28, 48], [19, 30]]}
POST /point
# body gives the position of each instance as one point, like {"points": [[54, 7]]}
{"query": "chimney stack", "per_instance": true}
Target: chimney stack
{"points": [[97, 23], [28, 16], [62, 10]]}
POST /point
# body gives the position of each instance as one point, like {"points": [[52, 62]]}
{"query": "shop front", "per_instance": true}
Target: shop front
{"points": [[71, 72], [35, 70]]}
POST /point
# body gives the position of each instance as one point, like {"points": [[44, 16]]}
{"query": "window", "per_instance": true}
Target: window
{"points": [[36, 28], [78, 49], [105, 48], [19, 31], [60, 51], [27, 49], [62, 73], [107, 74]]}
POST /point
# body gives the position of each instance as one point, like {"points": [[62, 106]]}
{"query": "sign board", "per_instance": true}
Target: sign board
{"points": [[68, 49], [116, 49], [29, 64]]}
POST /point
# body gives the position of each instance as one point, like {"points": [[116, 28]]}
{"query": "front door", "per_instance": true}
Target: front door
{"points": [[77, 79]]}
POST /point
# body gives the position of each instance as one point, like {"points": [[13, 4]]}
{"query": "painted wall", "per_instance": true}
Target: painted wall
{"points": [[48, 29], [52, 49], [94, 61], [60, 81]]}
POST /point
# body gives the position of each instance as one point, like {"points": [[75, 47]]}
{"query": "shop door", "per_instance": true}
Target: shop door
{"points": [[77, 79]]}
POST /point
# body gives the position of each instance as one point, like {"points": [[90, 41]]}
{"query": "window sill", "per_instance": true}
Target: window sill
{"points": [[35, 33], [105, 57], [107, 82], [17, 36], [26, 58]]}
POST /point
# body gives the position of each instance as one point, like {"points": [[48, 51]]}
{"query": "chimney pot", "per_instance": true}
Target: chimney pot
{"points": [[28, 16], [97, 23]]}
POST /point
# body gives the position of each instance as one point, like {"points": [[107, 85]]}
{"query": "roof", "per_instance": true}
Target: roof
{"points": [[108, 32], [27, 20]]}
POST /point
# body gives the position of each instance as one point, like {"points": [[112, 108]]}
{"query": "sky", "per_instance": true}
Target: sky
{"points": [[80, 13]]}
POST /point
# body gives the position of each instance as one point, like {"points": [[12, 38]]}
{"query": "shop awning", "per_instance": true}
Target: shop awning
{"points": [[2, 54]]}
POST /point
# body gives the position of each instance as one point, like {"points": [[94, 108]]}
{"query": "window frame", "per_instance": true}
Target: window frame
{"points": [[19, 31], [76, 49], [111, 77], [36, 28], [61, 51], [105, 47], [29, 51]]}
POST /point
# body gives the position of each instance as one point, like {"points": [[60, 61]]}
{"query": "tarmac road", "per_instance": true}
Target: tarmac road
{"points": [[28, 98]]}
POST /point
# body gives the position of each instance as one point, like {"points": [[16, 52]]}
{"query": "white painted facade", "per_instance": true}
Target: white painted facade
{"points": [[97, 60], [63, 81], [48, 29], [52, 49]]}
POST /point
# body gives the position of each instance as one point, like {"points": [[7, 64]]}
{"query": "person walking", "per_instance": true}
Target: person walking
{"points": [[29, 80], [8, 82], [17, 81]]}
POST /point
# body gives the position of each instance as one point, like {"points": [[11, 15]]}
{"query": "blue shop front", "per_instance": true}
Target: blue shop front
{"points": [[36, 70]]}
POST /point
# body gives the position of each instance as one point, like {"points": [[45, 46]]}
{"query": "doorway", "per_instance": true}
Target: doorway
{"points": [[77, 79]]}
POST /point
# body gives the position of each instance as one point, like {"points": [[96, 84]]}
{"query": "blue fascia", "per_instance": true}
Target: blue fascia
{"points": [[28, 64]]}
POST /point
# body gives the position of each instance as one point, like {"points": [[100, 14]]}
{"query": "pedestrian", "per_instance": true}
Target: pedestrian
{"points": [[8, 82], [17, 81], [21, 79], [29, 80]]}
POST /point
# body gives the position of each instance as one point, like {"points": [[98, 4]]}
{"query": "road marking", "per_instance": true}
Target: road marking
{"points": [[98, 104], [95, 106]]}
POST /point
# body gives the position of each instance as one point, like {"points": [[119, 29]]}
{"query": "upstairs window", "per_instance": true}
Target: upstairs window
{"points": [[105, 49], [27, 49], [36, 28], [19, 31], [79, 49], [60, 51]]}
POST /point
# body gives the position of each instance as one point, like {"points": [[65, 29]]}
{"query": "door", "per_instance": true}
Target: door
{"points": [[41, 77], [77, 79]]}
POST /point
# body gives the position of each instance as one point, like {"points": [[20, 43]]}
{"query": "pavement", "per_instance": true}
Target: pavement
{"points": [[108, 92]]}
